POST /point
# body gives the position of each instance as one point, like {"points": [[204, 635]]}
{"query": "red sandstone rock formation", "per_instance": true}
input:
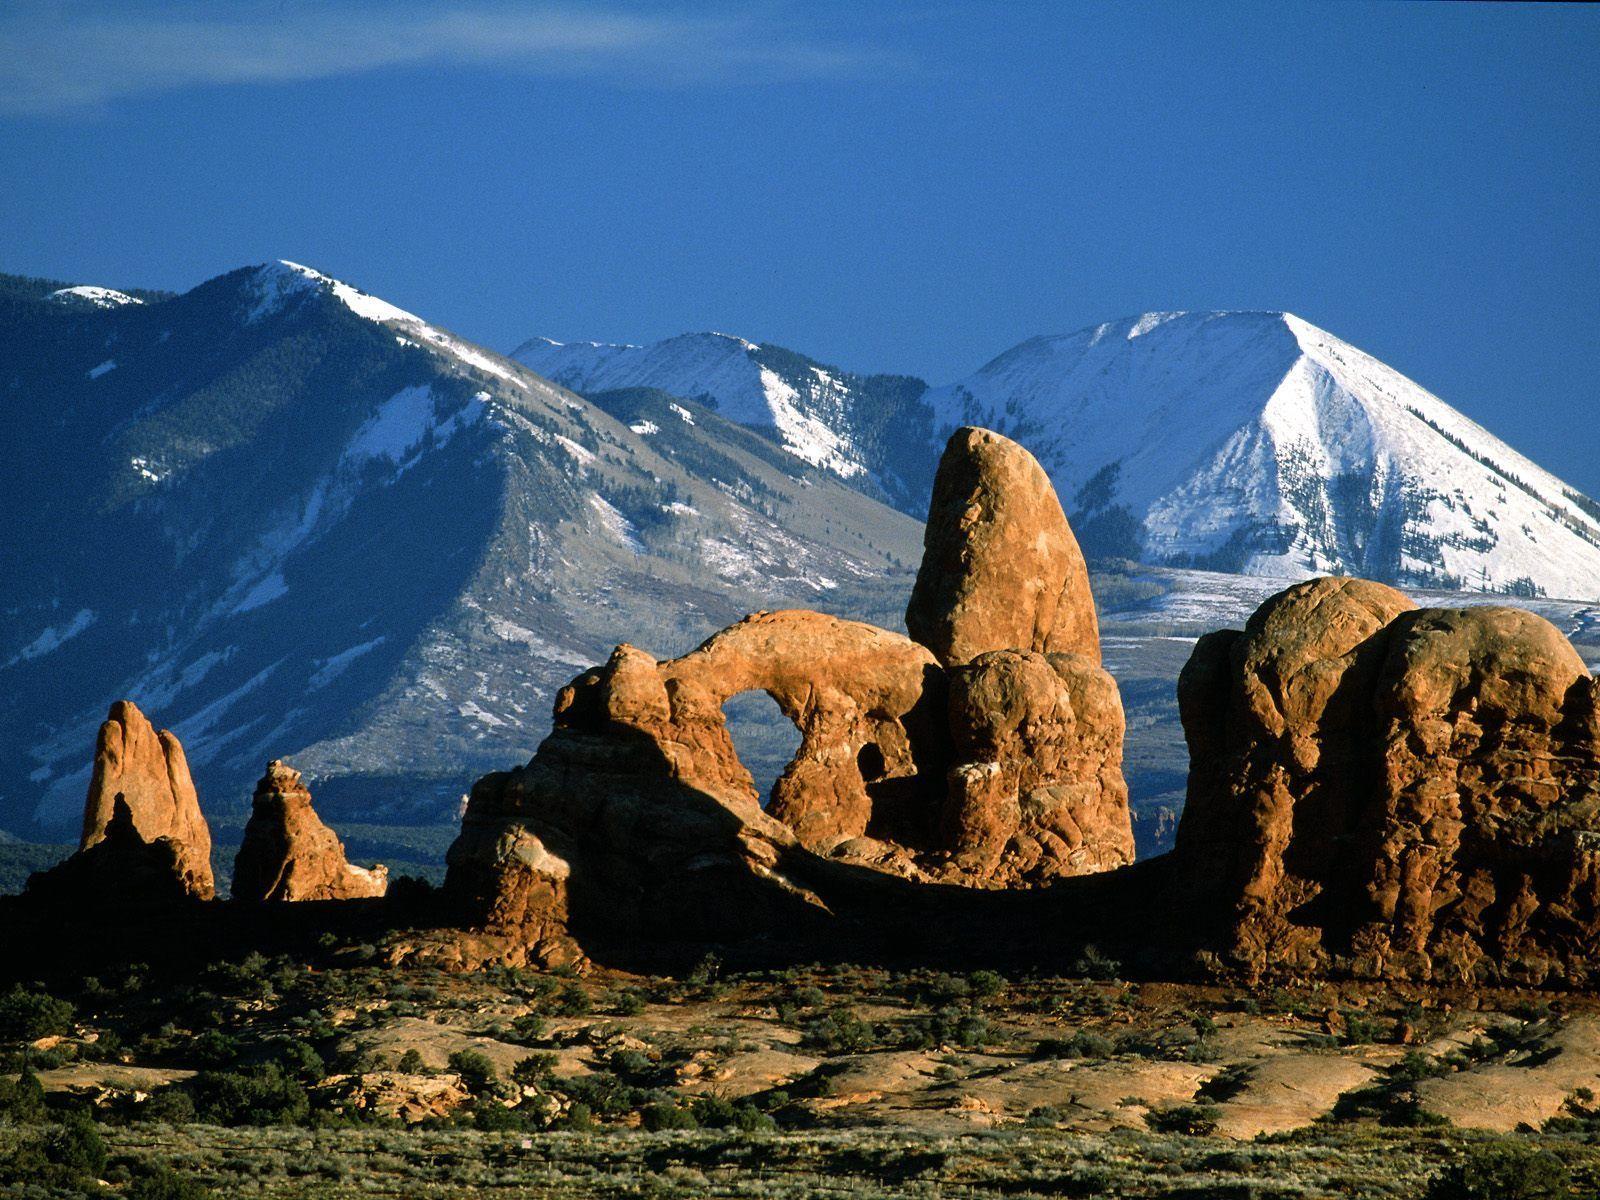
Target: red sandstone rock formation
{"points": [[147, 770], [289, 854], [1004, 770], [1037, 792], [1001, 569], [639, 789], [1394, 792]]}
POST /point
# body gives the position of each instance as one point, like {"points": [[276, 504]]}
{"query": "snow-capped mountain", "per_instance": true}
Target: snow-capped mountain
{"points": [[290, 519], [850, 425], [1245, 442], [1258, 443]]}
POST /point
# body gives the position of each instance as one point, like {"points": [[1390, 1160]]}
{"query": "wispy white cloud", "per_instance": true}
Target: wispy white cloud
{"points": [[58, 56]]}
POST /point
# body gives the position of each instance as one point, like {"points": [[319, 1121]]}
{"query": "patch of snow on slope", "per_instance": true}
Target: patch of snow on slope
{"points": [[264, 592], [471, 709], [646, 427], [616, 524], [805, 435], [510, 631], [578, 451], [684, 414], [195, 731], [147, 470], [100, 297], [1148, 322], [53, 637], [403, 421], [164, 684], [329, 669]]}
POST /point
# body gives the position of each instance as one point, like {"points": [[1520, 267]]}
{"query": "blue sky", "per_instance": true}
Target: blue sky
{"points": [[892, 187]]}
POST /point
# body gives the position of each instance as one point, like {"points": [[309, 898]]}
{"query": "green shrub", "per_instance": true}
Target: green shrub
{"points": [[537, 1070], [1092, 964], [299, 1059], [666, 1116], [21, 1099], [528, 1028], [75, 1146], [948, 1027], [579, 1117], [476, 1071], [628, 1003], [706, 972], [631, 1064], [160, 1182], [411, 1062], [213, 1048], [28, 1015], [571, 1001], [1503, 1171], [169, 1105], [1360, 1029], [1198, 1120], [258, 1095], [714, 1112], [1082, 1044], [984, 985], [1227, 1083], [838, 1031], [497, 1118]]}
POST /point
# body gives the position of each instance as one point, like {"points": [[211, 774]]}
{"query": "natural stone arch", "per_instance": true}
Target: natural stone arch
{"points": [[846, 686]]}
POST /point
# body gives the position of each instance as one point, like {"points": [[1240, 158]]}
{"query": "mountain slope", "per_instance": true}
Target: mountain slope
{"points": [[858, 427], [1241, 442], [1256, 442], [291, 519]]}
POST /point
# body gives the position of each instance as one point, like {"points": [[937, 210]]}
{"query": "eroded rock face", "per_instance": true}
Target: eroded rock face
{"points": [[639, 793], [1037, 792], [985, 753], [636, 814], [1001, 569], [1393, 791], [289, 854], [148, 772]]}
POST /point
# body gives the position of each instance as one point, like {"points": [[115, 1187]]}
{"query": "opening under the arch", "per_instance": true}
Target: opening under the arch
{"points": [[764, 738]]}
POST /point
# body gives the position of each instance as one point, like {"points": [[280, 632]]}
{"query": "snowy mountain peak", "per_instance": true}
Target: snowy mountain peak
{"points": [[96, 297], [802, 405], [1248, 441], [277, 283], [272, 287], [1258, 442]]}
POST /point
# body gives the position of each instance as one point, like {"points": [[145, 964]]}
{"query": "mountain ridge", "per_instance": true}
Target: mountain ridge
{"points": [[1247, 440], [291, 520]]}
